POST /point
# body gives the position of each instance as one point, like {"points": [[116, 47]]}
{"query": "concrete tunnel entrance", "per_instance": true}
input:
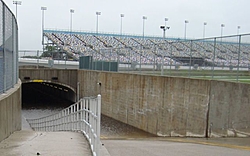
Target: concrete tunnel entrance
{"points": [[42, 98], [45, 94]]}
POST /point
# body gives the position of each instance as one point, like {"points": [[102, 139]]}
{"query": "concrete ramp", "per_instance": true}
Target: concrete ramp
{"points": [[30, 143]]}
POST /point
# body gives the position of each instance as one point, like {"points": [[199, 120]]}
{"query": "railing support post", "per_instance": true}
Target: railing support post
{"points": [[98, 124]]}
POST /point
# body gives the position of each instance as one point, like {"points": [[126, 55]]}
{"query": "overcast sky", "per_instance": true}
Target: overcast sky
{"points": [[232, 13]]}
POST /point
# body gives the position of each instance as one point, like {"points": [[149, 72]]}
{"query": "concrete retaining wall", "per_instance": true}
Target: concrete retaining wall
{"points": [[229, 109], [171, 106], [165, 106], [10, 111], [160, 105]]}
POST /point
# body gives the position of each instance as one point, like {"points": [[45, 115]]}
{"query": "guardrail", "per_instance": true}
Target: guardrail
{"points": [[83, 116]]}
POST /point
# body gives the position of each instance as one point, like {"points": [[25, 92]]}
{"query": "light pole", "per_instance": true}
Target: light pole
{"points": [[185, 31], [97, 14], [43, 9], [164, 28], [238, 30], [166, 19], [71, 14], [122, 15], [143, 25], [17, 3], [222, 26], [204, 29]]}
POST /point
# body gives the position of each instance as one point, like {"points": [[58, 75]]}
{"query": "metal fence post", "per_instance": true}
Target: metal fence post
{"points": [[214, 58], [238, 67], [190, 59], [37, 55], [171, 50], [17, 62], [4, 53], [13, 54]]}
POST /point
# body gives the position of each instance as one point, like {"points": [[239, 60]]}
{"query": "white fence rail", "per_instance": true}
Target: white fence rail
{"points": [[83, 116]]}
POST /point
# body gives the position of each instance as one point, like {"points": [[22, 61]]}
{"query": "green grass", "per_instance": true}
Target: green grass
{"points": [[223, 75]]}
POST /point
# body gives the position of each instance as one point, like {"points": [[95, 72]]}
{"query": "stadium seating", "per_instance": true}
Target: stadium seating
{"points": [[147, 50]]}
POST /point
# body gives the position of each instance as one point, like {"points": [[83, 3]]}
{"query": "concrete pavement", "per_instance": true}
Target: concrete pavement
{"points": [[30, 143], [173, 147]]}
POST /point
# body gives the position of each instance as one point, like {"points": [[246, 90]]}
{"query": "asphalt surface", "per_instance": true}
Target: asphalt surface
{"points": [[172, 148], [123, 140]]}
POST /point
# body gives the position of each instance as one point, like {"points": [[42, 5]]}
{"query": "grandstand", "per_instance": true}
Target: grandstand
{"points": [[130, 49]]}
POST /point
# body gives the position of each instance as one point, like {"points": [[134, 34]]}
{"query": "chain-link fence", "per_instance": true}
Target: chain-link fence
{"points": [[8, 48], [224, 58]]}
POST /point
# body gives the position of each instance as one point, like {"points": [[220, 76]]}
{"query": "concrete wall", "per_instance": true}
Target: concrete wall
{"points": [[165, 106], [10, 111], [64, 77], [171, 106], [229, 109], [160, 105]]}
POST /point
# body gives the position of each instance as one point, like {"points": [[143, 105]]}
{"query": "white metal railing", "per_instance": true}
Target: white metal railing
{"points": [[83, 116]]}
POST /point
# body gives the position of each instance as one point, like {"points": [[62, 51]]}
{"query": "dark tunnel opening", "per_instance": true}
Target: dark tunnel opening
{"points": [[46, 96]]}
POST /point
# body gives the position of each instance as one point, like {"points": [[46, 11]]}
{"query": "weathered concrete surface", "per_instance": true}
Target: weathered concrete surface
{"points": [[64, 77], [160, 105], [10, 111], [171, 106], [30, 143], [165, 106], [229, 109]]}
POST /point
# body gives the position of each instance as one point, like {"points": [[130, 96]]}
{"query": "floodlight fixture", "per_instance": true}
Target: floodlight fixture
{"points": [[98, 13], [17, 2], [43, 8]]}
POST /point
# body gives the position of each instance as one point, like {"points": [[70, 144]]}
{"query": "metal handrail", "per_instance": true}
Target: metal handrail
{"points": [[83, 116]]}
